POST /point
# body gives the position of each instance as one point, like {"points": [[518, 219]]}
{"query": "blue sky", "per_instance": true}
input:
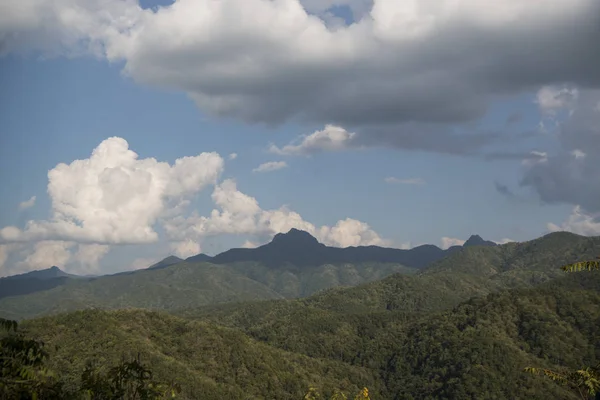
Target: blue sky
{"points": [[57, 110]]}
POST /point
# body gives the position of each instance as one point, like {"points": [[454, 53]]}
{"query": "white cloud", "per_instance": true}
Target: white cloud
{"points": [[536, 157], [552, 99], [27, 204], [331, 138], [504, 241], [270, 166], [447, 242], [46, 254], [409, 181], [578, 153], [87, 258], [233, 156], [186, 248], [579, 222], [249, 245], [115, 198], [240, 214]]}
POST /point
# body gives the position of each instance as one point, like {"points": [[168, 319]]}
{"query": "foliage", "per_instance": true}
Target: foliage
{"points": [[582, 266], [24, 375], [586, 381]]}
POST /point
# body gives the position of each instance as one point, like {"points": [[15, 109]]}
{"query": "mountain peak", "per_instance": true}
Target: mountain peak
{"points": [[476, 240], [295, 237], [170, 260]]}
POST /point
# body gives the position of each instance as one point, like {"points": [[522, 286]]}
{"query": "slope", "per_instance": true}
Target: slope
{"points": [[183, 285], [209, 362], [475, 350]]}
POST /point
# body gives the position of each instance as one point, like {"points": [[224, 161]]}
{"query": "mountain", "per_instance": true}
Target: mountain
{"points": [[210, 362], [49, 273], [277, 349], [301, 249], [470, 271], [476, 240], [34, 281], [171, 260], [199, 258]]}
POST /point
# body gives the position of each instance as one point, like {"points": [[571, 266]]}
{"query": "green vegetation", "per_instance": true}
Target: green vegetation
{"points": [[191, 285], [464, 328], [585, 381]]}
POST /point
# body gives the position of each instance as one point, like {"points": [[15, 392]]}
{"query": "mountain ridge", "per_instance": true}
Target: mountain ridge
{"points": [[300, 248]]}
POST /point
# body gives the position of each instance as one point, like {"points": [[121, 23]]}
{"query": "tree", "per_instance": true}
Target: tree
{"points": [[23, 375], [585, 381], [22, 371]]}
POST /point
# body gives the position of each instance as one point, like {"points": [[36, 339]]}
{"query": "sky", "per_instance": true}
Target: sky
{"points": [[131, 130]]}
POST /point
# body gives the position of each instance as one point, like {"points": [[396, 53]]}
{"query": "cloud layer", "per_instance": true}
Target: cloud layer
{"points": [[270, 61]]}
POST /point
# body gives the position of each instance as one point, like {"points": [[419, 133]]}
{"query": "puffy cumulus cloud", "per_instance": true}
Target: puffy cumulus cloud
{"points": [[115, 198], [567, 175], [86, 259], [350, 232], [407, 181], [579, 222], [27, 203], [186, 248], [401, 64], [233, 156], [447, 242], [331, 138], [5, 250], [240, 214], [270, 166], [47, 253]]}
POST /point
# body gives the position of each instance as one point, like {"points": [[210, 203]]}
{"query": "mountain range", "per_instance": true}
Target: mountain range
{"points": [[290, 251], [463, 327]]}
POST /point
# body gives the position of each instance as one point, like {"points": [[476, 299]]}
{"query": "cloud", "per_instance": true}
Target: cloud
{"points": [[579, 222], [504, 241], [270, 166], [530, 157], [567, 176], [115, 198], [400, 72], [409, 181], [27, 203], [186, 248], [240, 214], [87, 258], [331, 138], [233, 156], [142, 263], [552, 99], [249, 245], [46, 254], [447, 242], [504, 190]]}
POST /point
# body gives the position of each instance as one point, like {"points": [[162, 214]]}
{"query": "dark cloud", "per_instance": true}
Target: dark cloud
{"points": [[504, 190], [572, 175]]}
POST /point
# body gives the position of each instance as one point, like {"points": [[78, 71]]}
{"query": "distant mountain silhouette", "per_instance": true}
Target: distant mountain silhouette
{"points": [[476, 240], [48, 273], [34, 281], [166, 262], [299, 248]]}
